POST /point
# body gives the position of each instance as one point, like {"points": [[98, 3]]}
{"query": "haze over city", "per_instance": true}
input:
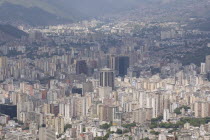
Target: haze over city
{"points": [[104, 69]]}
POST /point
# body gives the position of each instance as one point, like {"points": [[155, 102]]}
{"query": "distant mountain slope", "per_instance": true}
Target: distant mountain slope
{"points": [[54, 7], [45, 12], [15, 14], [49, 12], [12, 31], [74, 9]]}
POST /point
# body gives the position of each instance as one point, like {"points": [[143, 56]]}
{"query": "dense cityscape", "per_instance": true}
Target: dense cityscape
{"points": [[130, 76]]}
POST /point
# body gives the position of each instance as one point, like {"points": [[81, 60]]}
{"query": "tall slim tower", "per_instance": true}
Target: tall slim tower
{"points": [[208, 63], [81, 67], [113, 62], [123, 65], [203, 68], [3, 61], [107, 78]]}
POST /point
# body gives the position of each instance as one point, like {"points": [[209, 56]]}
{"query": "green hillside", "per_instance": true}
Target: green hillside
{"points": [[34, 16], [51, 7], [12, 31]]}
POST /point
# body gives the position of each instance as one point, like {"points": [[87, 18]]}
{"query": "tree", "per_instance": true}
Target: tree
{"points": [[145, 138], [119, 131], [67, 126], [177, 111], [125, 131], [105, 126], [154, 132], [100, 138], [129, 125]]}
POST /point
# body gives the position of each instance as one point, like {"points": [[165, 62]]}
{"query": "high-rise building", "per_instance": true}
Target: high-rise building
{"points": [[104, 92], [107, 78], [46, 133], [10, 110], [157, 105], [105, 113], [203, 68], [208, 63], [59, 125], [166, 115], [113, 62], [123, 65], [119, 64], [202, 109], [142, 115], [3, 61], [81, 67]]}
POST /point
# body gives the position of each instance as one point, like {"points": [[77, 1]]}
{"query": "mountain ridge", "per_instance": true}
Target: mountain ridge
{"points": [[51, 12], [10, 33]]}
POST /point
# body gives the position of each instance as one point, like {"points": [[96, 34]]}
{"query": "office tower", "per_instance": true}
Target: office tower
{"points": [[113, 62], [10, 110], [207, 63], [81, 67], [123, 65], [107, 78]]}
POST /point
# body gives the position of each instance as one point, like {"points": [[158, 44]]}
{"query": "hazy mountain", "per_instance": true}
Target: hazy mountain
{"points": [[8, 33], [45, 12], [12, 31]]}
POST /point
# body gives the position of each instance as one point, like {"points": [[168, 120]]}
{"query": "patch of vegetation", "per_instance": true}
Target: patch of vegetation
{"points": [[26, 128], [197, 122], [178, 110], [67, 126], [154, 132], [157, 119], [119, 131], [200, 57], [145, 138], [105, 137], [106, 126], [129, 125]]}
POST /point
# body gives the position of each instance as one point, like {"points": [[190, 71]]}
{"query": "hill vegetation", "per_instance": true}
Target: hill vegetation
{"points": [[16, 14], [12, 31]]}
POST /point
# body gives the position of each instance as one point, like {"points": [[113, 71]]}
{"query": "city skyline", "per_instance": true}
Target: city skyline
{"points": [[104, 70]]}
